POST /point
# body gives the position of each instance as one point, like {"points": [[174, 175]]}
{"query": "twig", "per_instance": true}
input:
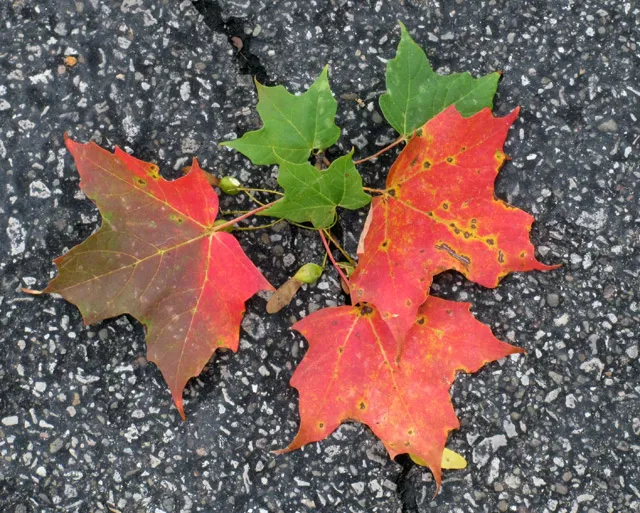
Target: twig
{"points": [[340, 248], [383, 150], [335, 265], [244, 216]]}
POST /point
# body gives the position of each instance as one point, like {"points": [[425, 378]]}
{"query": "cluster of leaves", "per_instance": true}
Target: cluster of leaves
{"points": [[388, 360]]}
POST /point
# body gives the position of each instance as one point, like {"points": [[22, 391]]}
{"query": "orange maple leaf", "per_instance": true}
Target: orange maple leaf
{"points": [[439, 212], [159, 257], [356, 370]]}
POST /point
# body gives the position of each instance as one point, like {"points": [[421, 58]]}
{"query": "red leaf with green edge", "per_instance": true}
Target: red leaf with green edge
{"points": [[158, 257], [439, 212], [356, 370]]}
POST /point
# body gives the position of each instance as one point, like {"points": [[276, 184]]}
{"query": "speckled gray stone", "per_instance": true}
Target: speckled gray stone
{"points": [[87, 424]]}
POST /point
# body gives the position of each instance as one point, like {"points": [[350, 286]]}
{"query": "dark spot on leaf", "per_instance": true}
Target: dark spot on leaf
{"points": [[140, 181], [450, 160], [366, 310], [362, 405], [415, 159], [419, 132], [321, 425], [421, 320], [392, 192], [426, 164]]}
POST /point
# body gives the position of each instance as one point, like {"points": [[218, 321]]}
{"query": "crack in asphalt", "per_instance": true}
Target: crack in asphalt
{"points": [[233, 28]]}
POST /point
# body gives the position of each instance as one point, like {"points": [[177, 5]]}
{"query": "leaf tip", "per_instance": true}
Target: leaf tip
{"points": [[69, 143], [180, 407]]}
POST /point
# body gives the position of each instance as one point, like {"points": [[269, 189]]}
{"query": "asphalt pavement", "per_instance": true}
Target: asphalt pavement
{"points": [[87, 424]]}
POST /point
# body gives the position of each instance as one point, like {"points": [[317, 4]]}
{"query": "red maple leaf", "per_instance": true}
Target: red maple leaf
{"points": [[158, 257], [439, 212], [355, 369]]}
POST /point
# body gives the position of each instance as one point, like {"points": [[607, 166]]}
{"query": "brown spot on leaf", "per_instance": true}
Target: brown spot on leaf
{"points": [[464, 260], [366, 310]]}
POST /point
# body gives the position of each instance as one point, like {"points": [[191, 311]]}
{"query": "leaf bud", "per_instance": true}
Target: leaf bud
{"points": [[309, 273], [230, 185], [220, 222]]}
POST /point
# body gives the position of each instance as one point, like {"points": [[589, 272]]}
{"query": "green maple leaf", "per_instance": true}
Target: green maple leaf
{"points": [[293, 125], [416, 93], [313, 195]]}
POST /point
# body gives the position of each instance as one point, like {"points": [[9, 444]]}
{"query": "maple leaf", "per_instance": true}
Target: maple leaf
{"points": [[293, 125], [438, 213], [355, 369], [158, 257], [312, 194], [416, 93]]}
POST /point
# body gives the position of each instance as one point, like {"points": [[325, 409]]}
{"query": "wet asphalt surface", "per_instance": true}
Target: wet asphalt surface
{"points": [[87, 424]]}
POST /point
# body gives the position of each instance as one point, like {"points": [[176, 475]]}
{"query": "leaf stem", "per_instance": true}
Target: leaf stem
{"points": [[340, 248], [250, 228], [383, 150], [252, 197], [371, 189], [328, 250], [232, 212], [244, 216], [257, 189]]}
